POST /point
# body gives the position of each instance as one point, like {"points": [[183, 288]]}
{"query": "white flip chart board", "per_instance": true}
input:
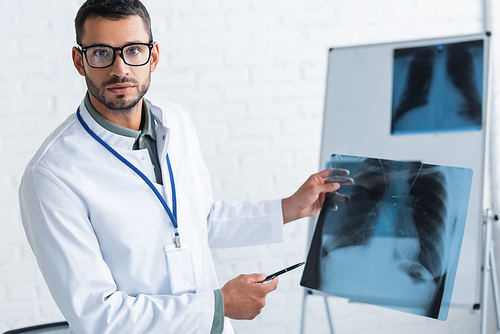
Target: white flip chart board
{"points": [[363, 92]]}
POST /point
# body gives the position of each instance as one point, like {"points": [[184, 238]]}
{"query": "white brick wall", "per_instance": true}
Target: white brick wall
{"points": [[252, 74]]}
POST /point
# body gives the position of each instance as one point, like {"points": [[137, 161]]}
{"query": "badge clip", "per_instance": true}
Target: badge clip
{"points": [[177, 239]]}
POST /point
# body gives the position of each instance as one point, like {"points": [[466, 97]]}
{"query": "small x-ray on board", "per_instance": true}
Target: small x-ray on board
{"points": [[438, 88], [396, 243]]}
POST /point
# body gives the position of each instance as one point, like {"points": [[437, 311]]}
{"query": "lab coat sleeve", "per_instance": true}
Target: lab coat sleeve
{"points": [[232, 224], [60, 233], [245, 224]]}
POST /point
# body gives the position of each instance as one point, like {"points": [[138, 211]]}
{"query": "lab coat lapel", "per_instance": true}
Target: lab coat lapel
{"points": [[162, 143]]}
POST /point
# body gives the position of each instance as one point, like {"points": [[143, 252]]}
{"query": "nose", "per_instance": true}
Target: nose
{"points": [[119, 68]]}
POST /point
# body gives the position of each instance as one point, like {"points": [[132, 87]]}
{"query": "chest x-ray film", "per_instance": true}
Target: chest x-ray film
{"points": [[438, 88], [397, 242]]}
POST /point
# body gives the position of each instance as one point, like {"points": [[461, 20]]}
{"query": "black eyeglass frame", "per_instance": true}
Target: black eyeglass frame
{"points": [[83, 50]]}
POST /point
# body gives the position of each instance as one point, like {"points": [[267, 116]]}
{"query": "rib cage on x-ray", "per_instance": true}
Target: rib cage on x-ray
{"points": [[428, 193], [441, 85], [416, 208]]}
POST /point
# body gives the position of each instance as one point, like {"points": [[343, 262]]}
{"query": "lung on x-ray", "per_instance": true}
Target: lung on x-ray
{"points": [[438, 88], [396, 243]]}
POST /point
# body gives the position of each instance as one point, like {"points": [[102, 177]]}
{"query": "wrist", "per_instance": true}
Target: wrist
{"points": [[224, 301], [288, 210]]}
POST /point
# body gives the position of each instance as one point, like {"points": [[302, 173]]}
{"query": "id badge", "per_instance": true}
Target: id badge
{"points": [[180, 268]]}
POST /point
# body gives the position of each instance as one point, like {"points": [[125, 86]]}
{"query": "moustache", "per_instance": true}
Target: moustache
{"points": [[118, 80]]}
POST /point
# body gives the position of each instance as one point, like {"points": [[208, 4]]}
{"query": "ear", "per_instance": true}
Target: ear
{"points": [[78, 60], [155, 56]]}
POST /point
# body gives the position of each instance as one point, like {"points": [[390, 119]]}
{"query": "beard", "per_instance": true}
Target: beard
{"points": [[121, 105]]}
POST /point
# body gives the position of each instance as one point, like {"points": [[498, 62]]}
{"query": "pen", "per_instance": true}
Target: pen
{"points": [[270, 277]]}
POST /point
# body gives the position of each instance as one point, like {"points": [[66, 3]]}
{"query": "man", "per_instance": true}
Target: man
{"points": [[117, 202]]}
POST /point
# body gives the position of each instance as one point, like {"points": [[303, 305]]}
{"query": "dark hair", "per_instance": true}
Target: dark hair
{"points": [[111, 10]]}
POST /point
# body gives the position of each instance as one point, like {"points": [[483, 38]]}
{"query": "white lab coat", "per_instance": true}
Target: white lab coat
{"points": [[98, 231]]}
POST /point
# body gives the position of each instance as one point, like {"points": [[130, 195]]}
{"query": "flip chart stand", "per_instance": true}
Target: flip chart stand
{"points": [[489, 265], [308, 293]]}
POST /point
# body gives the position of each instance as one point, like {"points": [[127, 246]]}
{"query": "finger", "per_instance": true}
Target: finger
{"points": [[324, 173], [333, 207], [271, 285], [339, 171], [327, 187], [335, 196], [255, 278], [321, 198], [345, 181]]}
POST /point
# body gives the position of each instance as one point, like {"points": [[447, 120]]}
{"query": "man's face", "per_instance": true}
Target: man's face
{"points": [[120, 86]]}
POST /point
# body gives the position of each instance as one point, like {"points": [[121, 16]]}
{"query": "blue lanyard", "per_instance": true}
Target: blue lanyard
{"points": [[173, 216]]}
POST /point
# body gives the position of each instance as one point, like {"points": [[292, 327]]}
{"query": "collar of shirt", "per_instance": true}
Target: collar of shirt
{"points": [[144, 139], [147, 124]]}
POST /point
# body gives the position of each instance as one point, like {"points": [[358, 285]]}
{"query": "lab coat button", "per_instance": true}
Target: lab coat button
{"points": [[163, 137]]}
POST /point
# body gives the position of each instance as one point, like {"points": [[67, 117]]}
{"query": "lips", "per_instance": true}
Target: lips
{"points": [[121, 88]]}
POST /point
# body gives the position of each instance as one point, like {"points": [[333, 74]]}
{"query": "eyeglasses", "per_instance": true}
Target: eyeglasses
{"points": [[102, 56]]}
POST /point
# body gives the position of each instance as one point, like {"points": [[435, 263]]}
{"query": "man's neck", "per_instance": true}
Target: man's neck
{"points": [[130, 119]]}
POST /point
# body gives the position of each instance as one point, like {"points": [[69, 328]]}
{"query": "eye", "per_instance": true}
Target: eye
{"points": [[101, 52], [134, 50]]}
